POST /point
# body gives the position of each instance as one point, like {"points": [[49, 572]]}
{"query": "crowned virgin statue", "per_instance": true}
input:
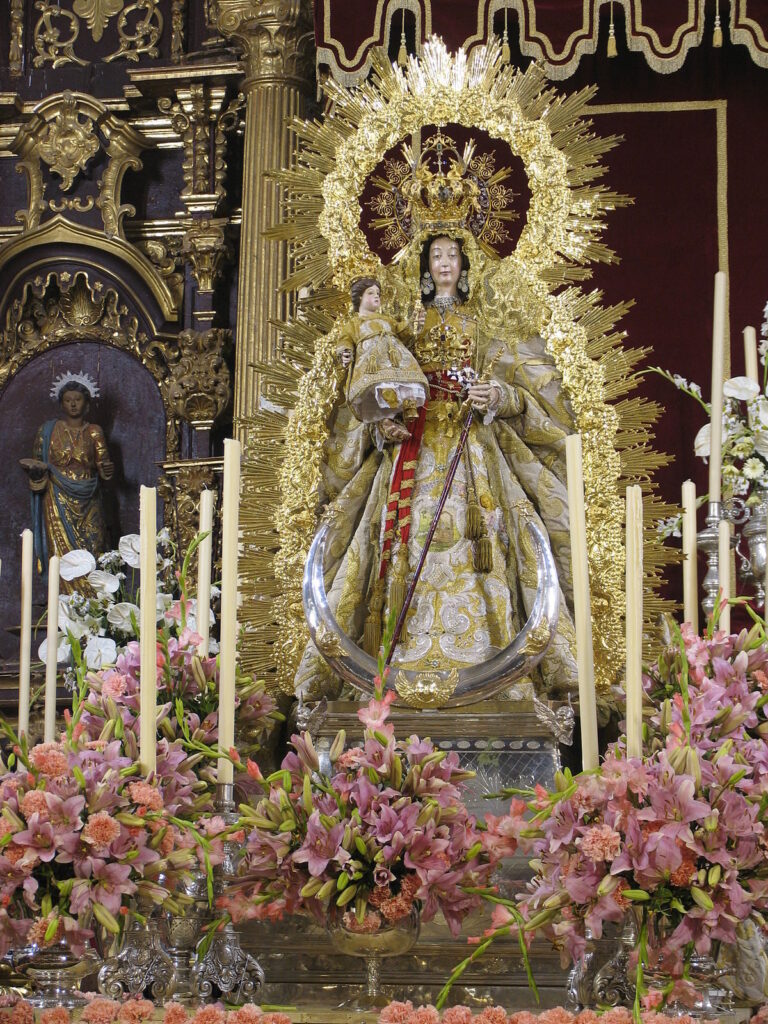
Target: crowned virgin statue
{"points": [[423, 476]]}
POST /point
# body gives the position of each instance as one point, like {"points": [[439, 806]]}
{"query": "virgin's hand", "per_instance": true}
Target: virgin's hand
{"points": [[484, 396], [393, 431], [345, 356]]}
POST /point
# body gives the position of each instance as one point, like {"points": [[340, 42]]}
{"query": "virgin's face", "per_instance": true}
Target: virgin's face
{"points": [[445, 265], [73, 403]]}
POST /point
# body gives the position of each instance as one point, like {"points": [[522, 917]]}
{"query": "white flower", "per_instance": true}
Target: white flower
{"points": [[742, 388], [69, 620], [100, 651], [103, 582], [76, 563], [192, 614], [753, 469], [164, 536], [130, 549], [63, 650], [163, 603], [702, 442], [119, 616]]}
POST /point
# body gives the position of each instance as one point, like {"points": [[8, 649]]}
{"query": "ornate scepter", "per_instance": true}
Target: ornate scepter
{"points": [[466, 376]]}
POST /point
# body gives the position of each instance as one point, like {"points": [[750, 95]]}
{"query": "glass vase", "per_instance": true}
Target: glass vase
{"points": [[373, 939]]}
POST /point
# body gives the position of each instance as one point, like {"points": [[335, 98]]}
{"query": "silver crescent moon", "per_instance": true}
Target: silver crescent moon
{"points": [[485, 680]]}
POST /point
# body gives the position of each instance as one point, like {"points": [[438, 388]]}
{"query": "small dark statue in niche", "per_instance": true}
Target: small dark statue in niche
{"points": [[70, 459]]}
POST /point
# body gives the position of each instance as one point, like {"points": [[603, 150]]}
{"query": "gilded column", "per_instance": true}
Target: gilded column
{"points": [[276, 39]]}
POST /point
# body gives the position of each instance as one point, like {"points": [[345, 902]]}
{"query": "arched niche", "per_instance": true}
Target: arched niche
{"points": [[131, 412]]}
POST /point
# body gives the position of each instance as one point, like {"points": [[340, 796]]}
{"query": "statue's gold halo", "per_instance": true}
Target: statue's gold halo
{"points": [[328, 249]]}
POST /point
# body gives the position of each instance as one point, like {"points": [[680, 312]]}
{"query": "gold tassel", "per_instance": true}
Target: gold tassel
{"points": [[483, 555], [372, 628], [475, 524], [397, 586], [612, 51], [717, 35], [506, 56], [402, 53]]}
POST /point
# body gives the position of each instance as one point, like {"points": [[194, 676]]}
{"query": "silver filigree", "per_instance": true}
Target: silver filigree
{"points": [[141, 965]]}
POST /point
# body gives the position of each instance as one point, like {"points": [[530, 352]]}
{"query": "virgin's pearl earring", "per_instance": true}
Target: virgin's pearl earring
{"points": [[427, 284]]}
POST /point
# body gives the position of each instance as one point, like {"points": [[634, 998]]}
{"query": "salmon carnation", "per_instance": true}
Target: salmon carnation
{"points": [[143, 793], [23, 1013], [101, 829], [175, 1013], [557, 1015], [37, 930], [495, 1015], [427, 1015], [457, 1015], [396, 1013], [57, 1015], [113, 687], [100, 1011], [210, 1015], [50, 760], [134, 1011], [248, 1014], [601, 843], [34, 802]]}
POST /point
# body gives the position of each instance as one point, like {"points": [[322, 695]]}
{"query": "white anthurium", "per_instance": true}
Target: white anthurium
{"points": [[104, 582], [742, 388], [75, 564], [163, 603], [758, 412], [129, 547], [70, 622], [761, 442], [119, 616], [63, 650], [100, 651], [702, 441]]}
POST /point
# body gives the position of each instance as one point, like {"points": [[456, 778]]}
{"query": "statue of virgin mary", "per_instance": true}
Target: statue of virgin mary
{"points": [[493, 332]]}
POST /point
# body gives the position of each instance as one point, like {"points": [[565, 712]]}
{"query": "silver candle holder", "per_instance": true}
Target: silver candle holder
{"points": [[708, 542]]}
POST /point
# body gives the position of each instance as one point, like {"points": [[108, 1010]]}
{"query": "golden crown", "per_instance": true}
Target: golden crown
{"points": [[442, 190]]}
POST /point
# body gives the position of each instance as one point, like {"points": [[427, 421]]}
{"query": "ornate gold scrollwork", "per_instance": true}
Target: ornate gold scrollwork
{"points": [[430, 690], [97, 14], [206, 247], [178, 17], [57, 30], [123, 148], [68, 141], [47, 36], [328, 642], [179, 489], [16, 38], [199, 389], [141, 38]]}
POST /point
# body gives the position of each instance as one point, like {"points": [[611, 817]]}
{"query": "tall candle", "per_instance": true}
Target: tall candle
{"points": [[204, 553], [634, 630], [51, 663], [690, 567], [718, 355], [228, 640], [724, 570], [148, 628], [25, 642], [582, 603], [750, 354]]}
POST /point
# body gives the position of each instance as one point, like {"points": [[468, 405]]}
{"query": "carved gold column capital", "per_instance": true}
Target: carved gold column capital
{"points": [[205, 246], [200, 387], [275, 36]]}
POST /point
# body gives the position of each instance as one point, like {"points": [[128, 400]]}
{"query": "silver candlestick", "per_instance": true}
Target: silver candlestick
{"points": [[708, 542], [225, 965], [141, 965]]}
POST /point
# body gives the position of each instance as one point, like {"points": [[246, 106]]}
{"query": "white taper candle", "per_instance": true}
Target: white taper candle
{"points": [[750, 355], [51, 663], [25, 640], [718, 356], [690, 567], [204, 553], [582, 603], [148, 630], [634, 624], [228, 640], [724, 571]]}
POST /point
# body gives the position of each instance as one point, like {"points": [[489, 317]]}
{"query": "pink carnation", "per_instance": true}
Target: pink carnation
{"points": [[396, 1013], [143, 793], [616, 1015], [134, 1011], [457, 1015], [275, 1018], [248, 1014], [49, 759], [114, 687], [428, 1015], [588, 1017], [494, 1015], [101, 829], [34, 802], [7, 827], [23, 1013], [523, 1017], [601, 842], [100, 1011], [175, 1013], [557, 1015], [57, 1015], [210, 1015]]}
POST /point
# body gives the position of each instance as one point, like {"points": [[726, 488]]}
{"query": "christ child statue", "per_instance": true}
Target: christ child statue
{"points": [[384, 379]]}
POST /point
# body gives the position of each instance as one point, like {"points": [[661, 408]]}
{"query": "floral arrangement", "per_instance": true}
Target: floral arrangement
{"points": [[745, 436], [385, 830], [80, 834], [101, 612], [679, 835], [135, 1011], [407, 1013]]}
